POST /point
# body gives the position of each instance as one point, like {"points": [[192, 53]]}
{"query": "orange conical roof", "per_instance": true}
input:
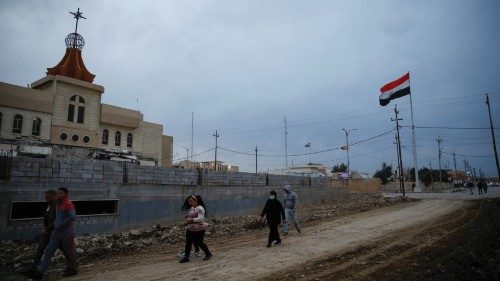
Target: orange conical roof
{"points": [[72, 66]]}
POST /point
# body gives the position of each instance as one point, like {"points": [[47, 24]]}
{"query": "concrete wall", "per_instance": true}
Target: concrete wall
{"points": [[146, 195], [434, 187]]}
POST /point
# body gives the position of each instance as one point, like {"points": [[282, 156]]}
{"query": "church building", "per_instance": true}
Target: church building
{"points": [[64, 110]]}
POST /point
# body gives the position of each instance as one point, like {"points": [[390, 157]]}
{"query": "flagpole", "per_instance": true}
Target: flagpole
{"points": [[417, 184]]}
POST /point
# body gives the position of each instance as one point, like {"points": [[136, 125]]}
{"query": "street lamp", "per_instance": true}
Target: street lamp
{"points": [[347, 131]]}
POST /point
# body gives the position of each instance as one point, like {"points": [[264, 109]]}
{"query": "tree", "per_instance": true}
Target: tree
{"points": [[429, 176], [384, 174], [339, 168]]}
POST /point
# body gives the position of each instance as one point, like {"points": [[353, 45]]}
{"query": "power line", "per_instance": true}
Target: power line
{"points": [[307, 153], [467, 155], [449, 128]]}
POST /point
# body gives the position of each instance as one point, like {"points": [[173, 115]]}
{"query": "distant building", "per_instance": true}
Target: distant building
{"points": [[314, 170], [206, 165], [64, 108]]}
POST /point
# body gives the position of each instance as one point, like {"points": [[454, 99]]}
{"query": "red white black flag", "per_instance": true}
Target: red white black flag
{"points": [[395, 89]]}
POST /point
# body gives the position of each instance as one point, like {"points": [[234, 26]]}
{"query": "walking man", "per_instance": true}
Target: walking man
{"points": [[290, 202], [62, 236], [43, 237]]}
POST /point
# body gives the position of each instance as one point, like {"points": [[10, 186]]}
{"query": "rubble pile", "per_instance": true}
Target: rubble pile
{"points": [[17, 255]]}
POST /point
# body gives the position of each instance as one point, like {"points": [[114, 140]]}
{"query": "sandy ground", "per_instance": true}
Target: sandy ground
{"points": [[247, 258]]}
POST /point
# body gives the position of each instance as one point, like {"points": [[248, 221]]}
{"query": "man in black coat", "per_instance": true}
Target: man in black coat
{"points": [[274, 212]]}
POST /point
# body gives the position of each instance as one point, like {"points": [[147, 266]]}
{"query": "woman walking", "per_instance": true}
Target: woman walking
{"points": [[274, 212], [195, 230]]}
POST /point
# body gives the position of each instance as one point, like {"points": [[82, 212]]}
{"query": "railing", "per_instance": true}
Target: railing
{"points": [[5, 165]]}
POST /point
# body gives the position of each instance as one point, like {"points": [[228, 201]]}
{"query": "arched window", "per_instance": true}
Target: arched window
{"points": [[37, 124], [17, 124], [76, 109], [118, 138], [130, 139], [105, 136]]}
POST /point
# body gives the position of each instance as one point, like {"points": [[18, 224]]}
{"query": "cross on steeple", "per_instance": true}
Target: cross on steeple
{"points": [[77, 16]]}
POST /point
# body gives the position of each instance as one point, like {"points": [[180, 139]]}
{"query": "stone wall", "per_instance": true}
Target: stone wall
{"points": [[146, 195]]}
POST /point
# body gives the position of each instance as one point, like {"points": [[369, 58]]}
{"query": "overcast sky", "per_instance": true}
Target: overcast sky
{"points": [[242, 66]]}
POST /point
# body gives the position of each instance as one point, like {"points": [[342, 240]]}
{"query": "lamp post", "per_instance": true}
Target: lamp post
{"points": [[347, 131]]}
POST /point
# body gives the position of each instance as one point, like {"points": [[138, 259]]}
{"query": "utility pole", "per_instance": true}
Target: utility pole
{"points": [[256, 159], [286, 149], [467, 168], [455, 165], [347, 131], [216, 135], [398, 170], [439, 140], [192, 135], [401, 180], [187, 157], [432, 180], [493, 136]]}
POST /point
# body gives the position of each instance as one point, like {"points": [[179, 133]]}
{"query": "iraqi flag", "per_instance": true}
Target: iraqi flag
{"points": [[395, 89]]}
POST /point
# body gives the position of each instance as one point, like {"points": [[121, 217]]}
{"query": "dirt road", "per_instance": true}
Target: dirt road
{"points": [[247, 258]]}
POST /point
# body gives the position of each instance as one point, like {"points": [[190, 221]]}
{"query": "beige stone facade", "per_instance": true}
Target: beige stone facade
{"points": [[63, 110]]}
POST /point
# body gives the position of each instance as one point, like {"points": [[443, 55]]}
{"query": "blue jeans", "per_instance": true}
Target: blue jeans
{"points": [[291, 217], [67, 242]]}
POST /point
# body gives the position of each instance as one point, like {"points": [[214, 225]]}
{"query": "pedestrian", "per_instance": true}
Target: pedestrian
{"points": [[43, 237], [195, 229], [182, 253], [470, 186], [274, 212], [63, 236], [480, 187], [290, 202]]}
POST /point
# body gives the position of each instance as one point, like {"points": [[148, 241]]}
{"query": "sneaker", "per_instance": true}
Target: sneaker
{"points": [[181, 254], [207, 256], [268, 245], [35, 275], [196, 254], [184, 260], [69, 273], [278, 242]]}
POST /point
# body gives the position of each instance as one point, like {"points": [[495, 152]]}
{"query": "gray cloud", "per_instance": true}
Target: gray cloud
{"points": [[241, 66]]}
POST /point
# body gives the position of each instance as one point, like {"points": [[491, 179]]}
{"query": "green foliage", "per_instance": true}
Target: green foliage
{"points": [[384, 174], [339, 168]]}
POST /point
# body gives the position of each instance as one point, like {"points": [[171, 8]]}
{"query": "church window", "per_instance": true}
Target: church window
{"points": [[35, 129], [130, 139], [105, 136], [17, 125], [76, 109], [118, 138]]}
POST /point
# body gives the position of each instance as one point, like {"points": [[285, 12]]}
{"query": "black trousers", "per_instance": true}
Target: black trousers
{"points": [[196, 238], [274, 234]]}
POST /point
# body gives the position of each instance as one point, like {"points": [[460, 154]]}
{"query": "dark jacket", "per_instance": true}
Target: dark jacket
{"points": [[49, 217], [274, 211]]}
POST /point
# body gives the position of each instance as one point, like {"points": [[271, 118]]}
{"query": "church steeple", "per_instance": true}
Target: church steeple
{"points": [[72, 64]]}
